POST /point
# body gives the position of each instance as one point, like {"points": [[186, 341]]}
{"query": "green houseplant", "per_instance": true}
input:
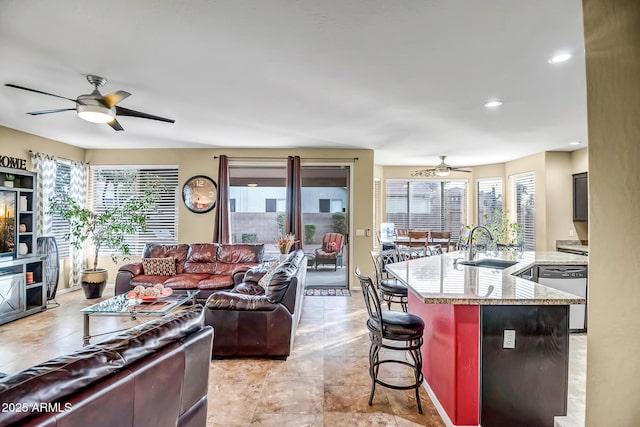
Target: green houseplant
{"points": [[108, 228], [506, 234]]}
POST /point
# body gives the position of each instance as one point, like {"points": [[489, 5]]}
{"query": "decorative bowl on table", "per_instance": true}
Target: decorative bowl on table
{"points": [[146, 297]]}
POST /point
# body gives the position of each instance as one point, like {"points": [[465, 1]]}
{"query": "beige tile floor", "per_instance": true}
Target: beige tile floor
{"points": [[324, 382]]}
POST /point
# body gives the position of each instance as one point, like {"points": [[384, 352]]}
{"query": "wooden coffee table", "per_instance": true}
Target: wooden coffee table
{"points": [[122, 306]]}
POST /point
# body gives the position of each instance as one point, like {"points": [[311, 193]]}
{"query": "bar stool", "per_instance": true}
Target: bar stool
{"points": [[393, 330], [391, 291]]}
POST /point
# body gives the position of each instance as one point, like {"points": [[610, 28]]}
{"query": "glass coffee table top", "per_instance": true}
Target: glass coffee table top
{"points": [[121, 304]]}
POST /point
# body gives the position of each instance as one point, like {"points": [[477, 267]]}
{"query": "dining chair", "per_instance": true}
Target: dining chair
{"points": [[442, 238]]}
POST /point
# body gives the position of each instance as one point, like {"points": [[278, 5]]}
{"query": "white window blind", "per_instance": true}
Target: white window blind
{"points": [[525, 207], [427, 205], [60, 227], [109, 186], [489, 199]]}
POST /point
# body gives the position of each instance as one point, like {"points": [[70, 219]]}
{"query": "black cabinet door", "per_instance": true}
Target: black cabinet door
{"points": [[580, 197]]}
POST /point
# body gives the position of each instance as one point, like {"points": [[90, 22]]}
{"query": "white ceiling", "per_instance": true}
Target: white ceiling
{"points": [[407, 78]]}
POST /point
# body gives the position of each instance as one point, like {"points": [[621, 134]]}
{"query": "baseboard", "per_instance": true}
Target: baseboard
{"points": [[440, 409]]}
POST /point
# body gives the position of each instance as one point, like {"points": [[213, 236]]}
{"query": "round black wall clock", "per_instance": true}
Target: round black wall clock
{"points": [[199, 194]]}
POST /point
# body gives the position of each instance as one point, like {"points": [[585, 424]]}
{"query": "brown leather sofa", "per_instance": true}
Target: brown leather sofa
{"points": [[155, 374], [207, 267], [254, 321]]}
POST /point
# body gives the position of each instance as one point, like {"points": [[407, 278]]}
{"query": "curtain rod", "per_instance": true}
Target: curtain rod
{"points": [[62, 158], [284, 158]]}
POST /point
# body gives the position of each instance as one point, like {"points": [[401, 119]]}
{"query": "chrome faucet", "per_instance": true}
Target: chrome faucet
{"points": [[472, 251]]}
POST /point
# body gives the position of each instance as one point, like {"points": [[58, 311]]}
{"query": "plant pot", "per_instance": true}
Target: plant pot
{"points": [[94, 282], [8, 184]]}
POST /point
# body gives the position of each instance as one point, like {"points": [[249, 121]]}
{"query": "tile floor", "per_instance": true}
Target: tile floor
{"points": [[324, 382]]}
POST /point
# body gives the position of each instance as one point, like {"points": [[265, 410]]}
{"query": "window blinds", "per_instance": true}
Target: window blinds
{"points": [[525, 207], [427, 205], [110, 185], [489, 199]]}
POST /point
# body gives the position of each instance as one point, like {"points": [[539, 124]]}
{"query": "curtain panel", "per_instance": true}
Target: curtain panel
{"points": [[293, 218], [222, 226], [45, 166], [77, 191]]}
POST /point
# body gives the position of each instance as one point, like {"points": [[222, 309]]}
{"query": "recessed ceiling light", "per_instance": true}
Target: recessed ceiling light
{"points": [[252, 184], [575, 143], [493, 103], [560, 57]]}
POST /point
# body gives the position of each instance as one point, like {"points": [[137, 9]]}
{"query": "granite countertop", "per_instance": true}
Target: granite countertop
{"points": [[437, 280]]}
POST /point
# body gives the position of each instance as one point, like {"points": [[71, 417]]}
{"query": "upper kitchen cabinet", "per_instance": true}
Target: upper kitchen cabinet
{"points": [[580, 197]]}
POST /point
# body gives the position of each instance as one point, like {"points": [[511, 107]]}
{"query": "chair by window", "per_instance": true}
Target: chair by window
{"points": [[331, 250], [392, 330], [442, 238], [390, 290]]}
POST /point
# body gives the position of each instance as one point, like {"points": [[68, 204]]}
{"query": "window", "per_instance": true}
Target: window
{"points": [[324, 205], [232, 205], [60, 226], [489, 201], [525, 207], [271, 205], [109, 185], [427, 205]]}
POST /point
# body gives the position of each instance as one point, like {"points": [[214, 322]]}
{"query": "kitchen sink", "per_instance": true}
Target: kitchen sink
{"points": [[489, 263]]}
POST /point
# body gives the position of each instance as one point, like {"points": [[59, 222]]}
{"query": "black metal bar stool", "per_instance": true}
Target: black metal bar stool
{"points": [[393, 330], [391, 291]]}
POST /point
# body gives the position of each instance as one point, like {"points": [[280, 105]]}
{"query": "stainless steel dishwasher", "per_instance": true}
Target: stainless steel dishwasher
{"points": [[571, 279]]}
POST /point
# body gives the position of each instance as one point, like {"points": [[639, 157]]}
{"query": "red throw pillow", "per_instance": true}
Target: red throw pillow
{"points": [[330, 247]]}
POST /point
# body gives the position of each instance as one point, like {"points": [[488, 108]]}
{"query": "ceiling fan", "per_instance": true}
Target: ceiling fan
{"points": [[442, 169], [95, 107]]}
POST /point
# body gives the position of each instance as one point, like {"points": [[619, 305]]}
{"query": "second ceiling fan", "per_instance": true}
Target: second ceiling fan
{"points": [[442, 169], [95, 107]]}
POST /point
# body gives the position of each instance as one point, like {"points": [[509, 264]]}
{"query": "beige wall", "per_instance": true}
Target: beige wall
{"points": [[612, 39], [194, 227]]}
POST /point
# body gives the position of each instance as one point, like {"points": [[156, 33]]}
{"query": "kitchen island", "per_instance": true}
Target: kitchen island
{"points": [[475, 372]]}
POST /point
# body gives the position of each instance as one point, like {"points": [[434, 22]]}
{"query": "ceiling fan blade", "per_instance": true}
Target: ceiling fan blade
{"points": [[132, 113], [115, 125], [37, 113], [460, 170], [38, 91], [112, 99]]}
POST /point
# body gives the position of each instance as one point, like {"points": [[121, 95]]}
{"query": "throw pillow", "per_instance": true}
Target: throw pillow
{"points": [[159, 266], [330, 247], [265, 279]]}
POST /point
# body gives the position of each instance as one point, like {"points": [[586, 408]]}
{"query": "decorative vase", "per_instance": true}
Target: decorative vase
{"points": [[22, 228], [94, 282], [23, 249]]}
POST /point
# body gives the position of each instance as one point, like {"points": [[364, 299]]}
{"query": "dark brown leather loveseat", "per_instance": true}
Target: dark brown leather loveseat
{"points": [[155, 374], [207, 267], [252, 320]]}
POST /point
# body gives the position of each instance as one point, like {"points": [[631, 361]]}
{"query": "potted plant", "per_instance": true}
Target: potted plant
{"points": [[506, 234], [8, 180], [108, 228]]}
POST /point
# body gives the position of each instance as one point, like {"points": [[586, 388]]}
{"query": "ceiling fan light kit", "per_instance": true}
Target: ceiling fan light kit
{"points": [[96, 113], [440, 170], [96, 108]]}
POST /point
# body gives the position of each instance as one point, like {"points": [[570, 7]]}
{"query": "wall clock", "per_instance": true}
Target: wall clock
{"points": [[199, 194]]}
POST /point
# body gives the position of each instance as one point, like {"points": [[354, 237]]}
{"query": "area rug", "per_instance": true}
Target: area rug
{"points": [[327, 292]]}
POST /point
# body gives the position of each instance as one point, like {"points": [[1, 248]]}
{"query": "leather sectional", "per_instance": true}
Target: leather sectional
{"points": [[155, 374], [208, 267], [255, 320]]}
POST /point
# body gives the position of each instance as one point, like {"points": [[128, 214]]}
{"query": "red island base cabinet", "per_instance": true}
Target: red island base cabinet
{"points": [[451, 357]]}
